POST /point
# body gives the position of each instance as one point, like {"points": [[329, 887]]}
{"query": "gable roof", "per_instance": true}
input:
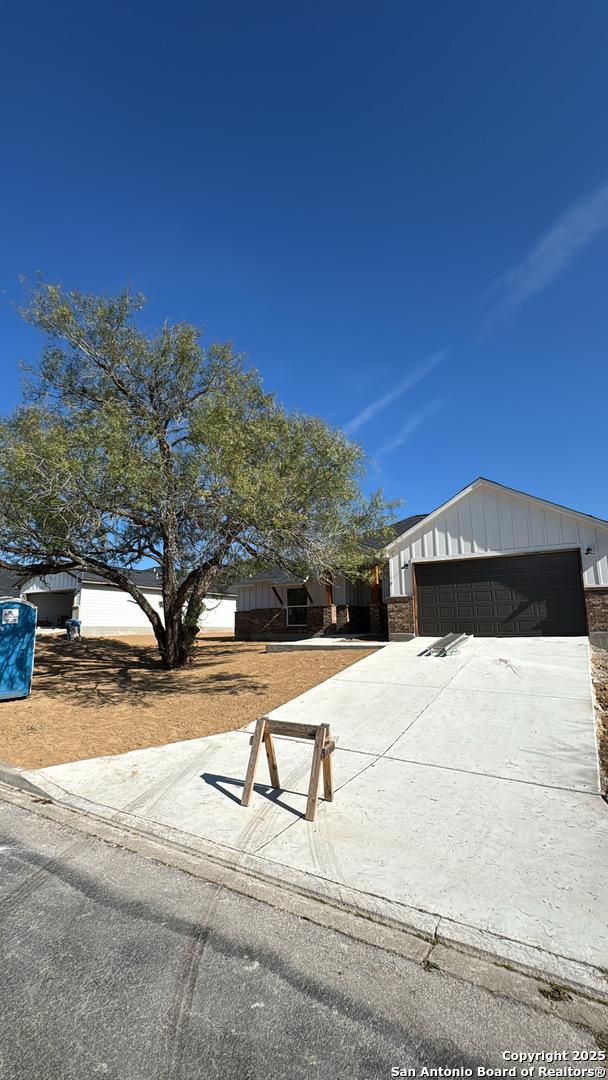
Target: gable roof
{"points": [[274, 575], [403, 526], [149, 578], [482, 481]]}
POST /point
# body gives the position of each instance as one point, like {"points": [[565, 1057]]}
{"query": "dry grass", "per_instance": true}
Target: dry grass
{"points": [[109, 695], [599, 670]]}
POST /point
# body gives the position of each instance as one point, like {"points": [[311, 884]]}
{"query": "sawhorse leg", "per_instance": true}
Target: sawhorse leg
{"points": [[261, 735], [328, 772], [256, 746], [272, 759], [319, 758]]}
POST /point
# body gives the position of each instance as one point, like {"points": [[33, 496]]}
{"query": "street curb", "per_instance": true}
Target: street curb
{"points": [[9, 774], [430, 928]]}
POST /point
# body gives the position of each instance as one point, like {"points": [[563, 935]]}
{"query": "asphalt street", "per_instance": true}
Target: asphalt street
{"points": [[116, 966]]}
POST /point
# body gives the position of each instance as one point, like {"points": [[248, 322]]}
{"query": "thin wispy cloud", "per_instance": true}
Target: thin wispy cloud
{"points": [[551, 255], [411, 425], [387, 399]]}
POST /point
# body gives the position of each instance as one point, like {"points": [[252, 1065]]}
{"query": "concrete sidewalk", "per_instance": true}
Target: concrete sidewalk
{"points": [[467, 803]]}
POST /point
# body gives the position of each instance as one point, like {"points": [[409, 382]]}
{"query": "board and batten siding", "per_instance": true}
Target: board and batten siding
{"points": [[487, 521], [260, 594], [50, 583]]}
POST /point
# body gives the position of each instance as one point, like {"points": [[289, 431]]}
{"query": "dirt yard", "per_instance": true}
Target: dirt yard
{"points": [[109, 695], [599, 669]]}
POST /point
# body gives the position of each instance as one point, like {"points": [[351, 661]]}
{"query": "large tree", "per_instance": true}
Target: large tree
{"points": [[133, 447]]}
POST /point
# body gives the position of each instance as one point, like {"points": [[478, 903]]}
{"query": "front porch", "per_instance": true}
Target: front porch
{"points": [[292, 623]]}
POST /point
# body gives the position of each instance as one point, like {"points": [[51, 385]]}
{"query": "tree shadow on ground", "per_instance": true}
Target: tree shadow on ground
{"points": [[95, 672]]}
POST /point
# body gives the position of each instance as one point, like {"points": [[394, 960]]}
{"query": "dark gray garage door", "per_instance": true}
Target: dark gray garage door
{"points": [[505, 596]]}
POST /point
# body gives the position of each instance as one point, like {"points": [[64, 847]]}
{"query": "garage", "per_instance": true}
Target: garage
{"points": [[53, 607], [494, 561], [502, 596]]}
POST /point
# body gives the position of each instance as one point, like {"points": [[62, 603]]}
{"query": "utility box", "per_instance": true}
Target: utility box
{"points": [[17, 642]]}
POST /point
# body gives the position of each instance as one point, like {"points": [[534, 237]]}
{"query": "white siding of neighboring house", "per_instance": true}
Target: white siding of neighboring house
{"points": [[104, 610], [218, 613], [488, 521]]}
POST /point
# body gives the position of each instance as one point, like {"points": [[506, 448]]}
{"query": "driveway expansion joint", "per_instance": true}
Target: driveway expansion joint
{"points": [[491, 776]]}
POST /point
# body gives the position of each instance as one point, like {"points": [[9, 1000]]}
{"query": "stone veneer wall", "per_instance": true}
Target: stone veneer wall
{"points": [[596, 602], [401, 626]]}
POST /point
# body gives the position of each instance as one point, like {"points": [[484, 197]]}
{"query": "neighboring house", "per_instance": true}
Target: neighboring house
{"points": [[105, 610], [8, 584], [491, 561]]}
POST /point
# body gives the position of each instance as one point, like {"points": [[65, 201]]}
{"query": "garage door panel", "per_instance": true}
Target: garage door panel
{"points": [[504, 596]]}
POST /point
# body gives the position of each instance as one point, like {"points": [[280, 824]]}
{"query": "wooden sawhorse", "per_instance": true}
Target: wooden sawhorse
{"points": [[323, 748]]}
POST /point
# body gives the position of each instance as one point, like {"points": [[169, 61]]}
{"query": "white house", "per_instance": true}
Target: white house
{"points": [[105, 610], [491, 561]]}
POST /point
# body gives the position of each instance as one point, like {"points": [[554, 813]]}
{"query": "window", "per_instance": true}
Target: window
{"points": [[296, 607]]}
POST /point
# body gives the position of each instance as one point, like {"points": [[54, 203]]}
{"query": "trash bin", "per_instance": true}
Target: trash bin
{"points": [[17, 641]]}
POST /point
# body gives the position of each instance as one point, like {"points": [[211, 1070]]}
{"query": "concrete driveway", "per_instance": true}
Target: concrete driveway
{"points": [[467, 802]]}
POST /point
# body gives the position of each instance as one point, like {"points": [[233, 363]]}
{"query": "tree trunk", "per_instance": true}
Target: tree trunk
{"points": [[176, 641], [176, 638]]}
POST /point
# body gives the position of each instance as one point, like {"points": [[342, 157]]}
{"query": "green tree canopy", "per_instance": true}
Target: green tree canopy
{"points": [[132, 447]]}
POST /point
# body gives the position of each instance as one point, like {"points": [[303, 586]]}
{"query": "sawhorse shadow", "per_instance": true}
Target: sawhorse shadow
{"points": [[272, 794]]}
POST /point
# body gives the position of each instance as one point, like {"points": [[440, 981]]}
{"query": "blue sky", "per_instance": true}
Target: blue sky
{"points": [[399, 211]]}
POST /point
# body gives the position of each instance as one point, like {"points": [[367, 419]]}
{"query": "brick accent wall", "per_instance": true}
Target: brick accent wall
{"points": [[270, 624], [352, 619], [378, 620], [596, 602], [400, 611], [358, 618], [321, 619], [260, 624]]}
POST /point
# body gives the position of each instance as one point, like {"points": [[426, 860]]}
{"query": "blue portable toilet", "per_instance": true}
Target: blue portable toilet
{"points": [[17, 641]]}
